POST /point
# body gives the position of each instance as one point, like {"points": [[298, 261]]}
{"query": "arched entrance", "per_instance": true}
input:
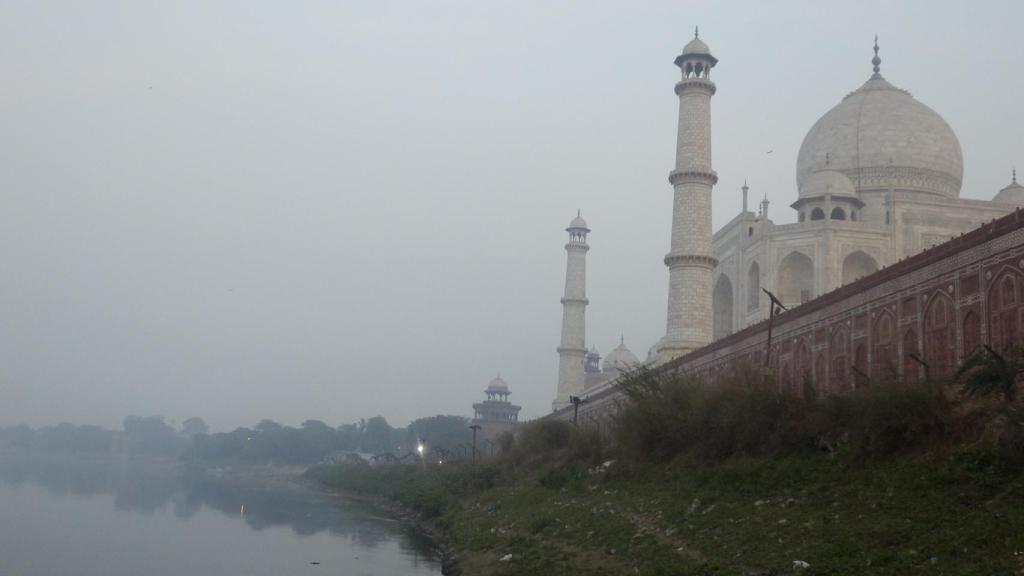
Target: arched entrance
{"points": [[721, 304], [796, 279], [857, 265], [753, 287]]}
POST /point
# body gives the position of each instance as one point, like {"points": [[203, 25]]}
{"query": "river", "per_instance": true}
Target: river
{"points": [[80, 517]]}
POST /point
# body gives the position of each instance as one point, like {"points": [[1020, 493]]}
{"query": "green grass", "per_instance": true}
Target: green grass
{"points": [[752, 517], [738, 479], [961, 514]]}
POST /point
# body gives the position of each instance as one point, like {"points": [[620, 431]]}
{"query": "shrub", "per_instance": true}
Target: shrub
{"points": [[888, 419], [745, 414]]}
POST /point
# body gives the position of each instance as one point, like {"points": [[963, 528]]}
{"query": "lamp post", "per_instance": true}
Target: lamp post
{"points": [[474, 428], [771, 319], [576, 401]]}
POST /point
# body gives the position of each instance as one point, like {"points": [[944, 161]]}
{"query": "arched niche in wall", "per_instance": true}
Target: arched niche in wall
{"points": [[857, 265], [796, 279], [753, 287], [722, 306], [940, 334]]}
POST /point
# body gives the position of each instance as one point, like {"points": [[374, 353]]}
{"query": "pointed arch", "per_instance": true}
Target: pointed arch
{"points": [[860, 361], [839, 350], [796, 279], [722, 307], [819, 382], [971, 330], [911, 369], [1005, 298], [883, 358], [857, 265], [802, 365], [940, 334], [753, 286]]}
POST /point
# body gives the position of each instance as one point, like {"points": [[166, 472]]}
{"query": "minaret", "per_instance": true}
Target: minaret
{"points": [[745, 189], [572, 350], [690, 261]]}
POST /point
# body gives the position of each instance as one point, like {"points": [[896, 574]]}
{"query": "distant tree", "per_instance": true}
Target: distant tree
{"points": [[267, 426], [377, 435], [349, 436], [447, 432], [151, 435], [194, 426]]}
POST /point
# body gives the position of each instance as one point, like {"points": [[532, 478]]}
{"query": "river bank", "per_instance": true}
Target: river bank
{"points": [[810, 515]]}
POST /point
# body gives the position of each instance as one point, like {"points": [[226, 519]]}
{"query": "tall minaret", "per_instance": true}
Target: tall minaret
{"points": [[572, 350], [690, 261]]}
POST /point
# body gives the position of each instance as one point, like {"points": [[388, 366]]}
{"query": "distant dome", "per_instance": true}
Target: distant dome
{"points": [[696, 46], [827, 181], [497, 385], [620, 359], [579, 223], [1012, 194], [878, 136]]}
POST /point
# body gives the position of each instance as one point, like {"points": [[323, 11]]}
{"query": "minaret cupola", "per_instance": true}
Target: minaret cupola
{"points": [[696, 60]]}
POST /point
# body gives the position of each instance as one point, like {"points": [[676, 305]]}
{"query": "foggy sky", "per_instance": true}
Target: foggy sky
{"points": [[292, 210]]}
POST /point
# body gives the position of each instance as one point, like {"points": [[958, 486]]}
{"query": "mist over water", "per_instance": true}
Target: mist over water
{"points": [[110, 518]]}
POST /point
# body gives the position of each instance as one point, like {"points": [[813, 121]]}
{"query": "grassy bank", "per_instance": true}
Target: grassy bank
{"points": [[898, 480]]}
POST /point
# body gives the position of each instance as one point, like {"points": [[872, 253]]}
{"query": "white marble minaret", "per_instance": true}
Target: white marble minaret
{"points": [[572, 350], [690, 261]]}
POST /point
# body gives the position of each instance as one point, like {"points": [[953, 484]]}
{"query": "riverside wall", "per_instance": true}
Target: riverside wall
{"points": [[938, 306]]}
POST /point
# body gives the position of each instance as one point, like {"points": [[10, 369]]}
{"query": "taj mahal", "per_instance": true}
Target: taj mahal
{"points": [[878, 180]]}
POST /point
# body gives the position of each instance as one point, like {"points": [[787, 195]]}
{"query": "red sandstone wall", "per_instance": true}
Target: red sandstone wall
{"points": [[939, 305]]}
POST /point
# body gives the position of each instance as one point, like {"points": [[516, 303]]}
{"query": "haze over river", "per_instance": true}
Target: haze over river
{"points": [[112, 518]]}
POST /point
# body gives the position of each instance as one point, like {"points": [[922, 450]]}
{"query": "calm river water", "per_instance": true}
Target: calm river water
{"points": [[113, 519]]}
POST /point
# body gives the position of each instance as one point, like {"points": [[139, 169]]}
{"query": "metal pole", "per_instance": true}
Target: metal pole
{"points": [[774, 302], [474, 428]]}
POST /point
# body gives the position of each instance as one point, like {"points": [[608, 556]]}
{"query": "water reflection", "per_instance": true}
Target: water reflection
{"points": [[152, 487]]}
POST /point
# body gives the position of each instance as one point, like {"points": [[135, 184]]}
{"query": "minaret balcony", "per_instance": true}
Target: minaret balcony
{"points": [[709, 177], [702, 84]]}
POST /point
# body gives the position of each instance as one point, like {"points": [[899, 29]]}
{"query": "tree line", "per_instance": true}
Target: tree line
{"points": [[265, 442]]}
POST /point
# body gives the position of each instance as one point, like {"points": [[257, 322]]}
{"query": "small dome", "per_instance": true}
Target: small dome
{"points": [[620, 359], [826, 181], [1012, 194], [578, 223], [696, 46], [497, 385]]}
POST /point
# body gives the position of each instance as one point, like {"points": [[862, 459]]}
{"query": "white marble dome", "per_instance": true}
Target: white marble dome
{"points": [[497, 385], [696, 46], [1012, 194], [822, 182], [621, 359], [878, 136], [578, 223]]}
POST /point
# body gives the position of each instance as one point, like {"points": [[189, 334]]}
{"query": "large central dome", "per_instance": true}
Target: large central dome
{"points": [[880, 136]]}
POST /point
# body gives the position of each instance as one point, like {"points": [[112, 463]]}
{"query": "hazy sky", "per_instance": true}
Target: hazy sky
{"points": [[291, 210]]}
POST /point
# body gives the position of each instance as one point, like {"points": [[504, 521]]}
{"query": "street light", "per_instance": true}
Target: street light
{"points": [[576, 401], [771, 318]]}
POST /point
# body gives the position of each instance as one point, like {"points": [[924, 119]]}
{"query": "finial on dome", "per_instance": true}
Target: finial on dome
{"points": [[1014, 174], [696, 31], [876, 60], [622, 339]]}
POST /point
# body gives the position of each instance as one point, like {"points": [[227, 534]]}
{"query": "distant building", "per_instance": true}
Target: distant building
{"points": [[495, 415]]}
